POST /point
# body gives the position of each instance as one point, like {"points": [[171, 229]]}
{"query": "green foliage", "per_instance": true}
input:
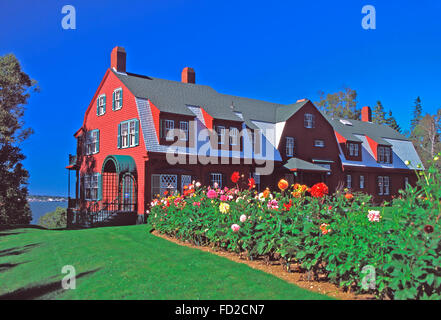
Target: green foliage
{"points": [[379, 115], [336, 237], [54, 220], [417, 114], [341, 104], [14, 93]]}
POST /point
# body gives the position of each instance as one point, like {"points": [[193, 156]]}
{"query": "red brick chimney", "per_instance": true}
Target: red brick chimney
{"points": [[366, 114], [118, 59], [188, 75]]}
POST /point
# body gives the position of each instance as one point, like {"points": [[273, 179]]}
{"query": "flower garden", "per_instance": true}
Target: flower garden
{"points": [[338, 238]]}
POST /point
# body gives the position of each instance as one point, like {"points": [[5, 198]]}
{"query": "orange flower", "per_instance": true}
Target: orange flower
{"points": [[324, 228], [266, 193], [349, 196], [283, 184]]}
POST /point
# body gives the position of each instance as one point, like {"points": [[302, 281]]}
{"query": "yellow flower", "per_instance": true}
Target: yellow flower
{"points": [[224, 207]]}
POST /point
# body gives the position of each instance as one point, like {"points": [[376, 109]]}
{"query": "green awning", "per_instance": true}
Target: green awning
{"points": [[123, 164], [296, 164]]}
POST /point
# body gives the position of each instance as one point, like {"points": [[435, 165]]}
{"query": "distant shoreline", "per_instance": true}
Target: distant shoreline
{"points": [[46, 199]]}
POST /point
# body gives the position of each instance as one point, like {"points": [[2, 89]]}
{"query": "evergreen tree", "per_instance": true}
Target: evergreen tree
{"points": [[15, 86], [417, 114], [379, 115], [392, 122]]}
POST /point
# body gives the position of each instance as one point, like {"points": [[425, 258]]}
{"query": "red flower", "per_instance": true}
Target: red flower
{"points": [[288, 205], [165, 192], [235, 176], [251, 183], [319, 190]]}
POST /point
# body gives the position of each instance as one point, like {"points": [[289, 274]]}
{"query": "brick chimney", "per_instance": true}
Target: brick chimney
{"points": [[188, 75], [118, 59], [366, 114]]}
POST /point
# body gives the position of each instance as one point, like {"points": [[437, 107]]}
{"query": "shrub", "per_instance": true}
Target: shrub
{"points": [[54, 220], [336, 237]]}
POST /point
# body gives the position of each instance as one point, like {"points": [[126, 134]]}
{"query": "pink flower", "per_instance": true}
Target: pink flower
{"points": [[211, 194], [243, 218], [196, 204], [223, 198], [235, 227], [272, 204], [374, 215]]}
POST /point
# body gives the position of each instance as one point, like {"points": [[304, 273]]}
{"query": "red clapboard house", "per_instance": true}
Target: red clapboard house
{"points": [[143, 135]]}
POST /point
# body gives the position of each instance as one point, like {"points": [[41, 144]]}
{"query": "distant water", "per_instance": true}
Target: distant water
{"points": [[41, 208]]}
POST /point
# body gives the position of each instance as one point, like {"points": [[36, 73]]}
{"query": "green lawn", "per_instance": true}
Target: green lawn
{"points": [[126, 263]]}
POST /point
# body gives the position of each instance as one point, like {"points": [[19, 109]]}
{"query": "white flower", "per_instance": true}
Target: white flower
{"points": [[374, 215], [197, 184]]}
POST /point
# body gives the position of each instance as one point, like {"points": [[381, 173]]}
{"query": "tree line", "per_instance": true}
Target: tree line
{"points": [[424, 131]]}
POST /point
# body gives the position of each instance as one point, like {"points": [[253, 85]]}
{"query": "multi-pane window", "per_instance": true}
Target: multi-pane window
{"points": [[128, 133], [216, 178], [383, 185], [220, 130], [384, 154], [361, 182], [167, 127], [289, 146], [309, 120], [353, 149], [348, 181], [92, 142], [91, 186], [319, 143], [234, 136], [117, 99], [183, 125], [101, 105]]}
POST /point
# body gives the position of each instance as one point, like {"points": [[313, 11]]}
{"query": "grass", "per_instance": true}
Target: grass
{"points": [[126, 263]]}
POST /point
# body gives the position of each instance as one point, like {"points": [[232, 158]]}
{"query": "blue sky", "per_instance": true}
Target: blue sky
{"points": [[278, 51]]}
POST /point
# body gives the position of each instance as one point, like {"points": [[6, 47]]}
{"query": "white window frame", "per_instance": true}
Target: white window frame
{"points": [[234, 136], [361, 182], [183, 125], [92, 142], [169, 126], [384, 154], [348, 181], [163, 182], [220, 130], [125, 134], [216, 177], [353, 149], [117, 93], [319, 143], [309, 120], [289, 146], [386, 185], [91, 186], [101, 104]]}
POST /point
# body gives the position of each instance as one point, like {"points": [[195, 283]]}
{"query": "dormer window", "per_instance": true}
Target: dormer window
{"points": [[289, 146], [234, 136], [167, 126], [101, 105], [309, 120], [353, 149], [220, 130], [183, 125], [384, 154]]}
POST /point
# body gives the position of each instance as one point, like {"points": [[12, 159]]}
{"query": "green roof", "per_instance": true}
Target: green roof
{"points": [[374, 131], [299, 164]]}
